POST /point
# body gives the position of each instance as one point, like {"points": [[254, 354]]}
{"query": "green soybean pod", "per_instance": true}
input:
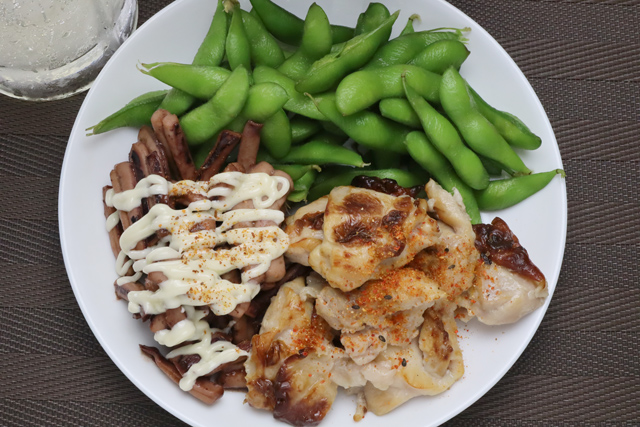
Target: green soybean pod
{"points": [[326, 72], [318, 153], [504, 193], [404, 48], [481, 136], [399, 110], [296, 171], [302, 185], [327, 180], [210, 52], [444, 136], [408, 28], [287, 27], [365, 127], [136, 113], [514, 131], [202, 123], [426, 155], [316, 42], [237, 46], [200, 81], [368, 20], [263, 101], [364, 88], [297, 103], [264, 48], [302, 128], [440, 55], [329, 138], [275, 135]]}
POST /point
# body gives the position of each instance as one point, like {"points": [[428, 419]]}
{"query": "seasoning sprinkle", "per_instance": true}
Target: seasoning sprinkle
{"points": [[388, 297], [355, 307], [451, 267], [404, 362], [381, 338]]}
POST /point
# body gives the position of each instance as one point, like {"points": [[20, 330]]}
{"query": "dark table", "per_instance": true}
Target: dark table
{"points": [[583, 365]]}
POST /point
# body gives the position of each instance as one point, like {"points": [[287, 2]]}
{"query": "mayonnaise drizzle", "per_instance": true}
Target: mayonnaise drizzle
{"points": [[190, 260]]}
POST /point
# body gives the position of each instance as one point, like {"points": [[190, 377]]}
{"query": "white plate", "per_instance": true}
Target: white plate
{"points": [[174, 34]]}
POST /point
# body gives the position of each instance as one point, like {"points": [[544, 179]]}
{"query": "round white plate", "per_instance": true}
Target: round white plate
{"points": [[174, 34]]}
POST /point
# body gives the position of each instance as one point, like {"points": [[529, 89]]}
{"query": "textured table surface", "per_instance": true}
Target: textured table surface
{"points": [[581, 368]]}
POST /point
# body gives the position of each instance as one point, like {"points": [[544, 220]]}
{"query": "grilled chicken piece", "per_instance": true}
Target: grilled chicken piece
{"points": [[451, 262], [508, 285], [386, 311], [367, 233], [428, 366], [289, 365], [304, 229]]}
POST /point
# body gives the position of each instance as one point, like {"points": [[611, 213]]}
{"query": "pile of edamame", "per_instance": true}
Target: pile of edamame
{"points": [[338, 102]]}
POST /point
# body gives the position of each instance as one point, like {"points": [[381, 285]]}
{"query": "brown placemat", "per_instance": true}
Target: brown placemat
{"points": [[582, 367]]}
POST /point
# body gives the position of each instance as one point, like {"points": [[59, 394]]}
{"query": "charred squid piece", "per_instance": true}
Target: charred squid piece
{"points": [[167, 319], [227, 141], [138, 159], [204, 389], [233, 380], [126, 179], [160, 164], [115, 232], [157, 123], [179, 148], [249, 144], [122, 291]]}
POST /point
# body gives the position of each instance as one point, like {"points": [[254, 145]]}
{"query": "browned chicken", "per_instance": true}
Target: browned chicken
{"points": [[289, 367], [367, 233], [304, 229], [382, 312]]}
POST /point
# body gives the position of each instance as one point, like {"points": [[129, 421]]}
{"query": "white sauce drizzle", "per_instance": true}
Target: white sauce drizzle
{"points": [[192, 266]]}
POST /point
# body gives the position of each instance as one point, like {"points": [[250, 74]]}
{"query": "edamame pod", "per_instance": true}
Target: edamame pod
{"points": [[399, 110], [275, 135], [287, 27], [319, 153], [210, 52], [316, 42], [408, 28], [510, 127], [326, 72], [297, 103], [364, 88], [440, 55], [481, 136], [404, 48], [426, 155], [444, 136], [504, 193], [200, 81], [368, 20], [136, 113], [263, 101], [264, 48], [302, 185], [302, 128], [365, 127], [204, 122], [296, 171], [327, 181], [237, 45]]}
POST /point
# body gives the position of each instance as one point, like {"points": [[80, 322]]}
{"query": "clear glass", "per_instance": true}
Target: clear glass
{"points": [[52, 49]]}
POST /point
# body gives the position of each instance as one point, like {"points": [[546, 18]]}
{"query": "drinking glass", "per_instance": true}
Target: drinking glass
{"points": [[52, 49]]}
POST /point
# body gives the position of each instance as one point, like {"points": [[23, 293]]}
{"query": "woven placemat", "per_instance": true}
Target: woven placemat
{"points": [[582, 367]]}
